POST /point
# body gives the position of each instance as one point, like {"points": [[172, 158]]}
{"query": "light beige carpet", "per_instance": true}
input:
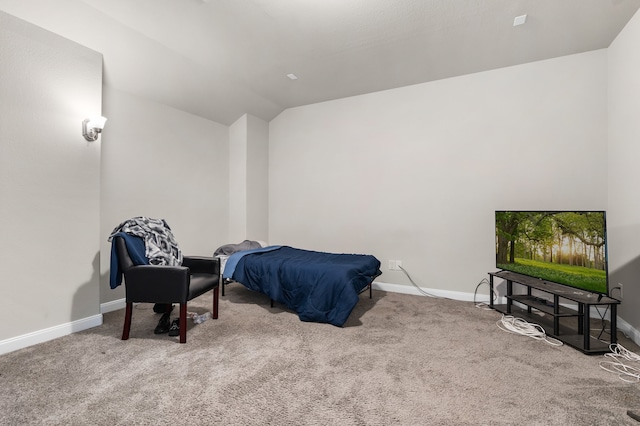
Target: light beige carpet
{"points": [[400, 360]]}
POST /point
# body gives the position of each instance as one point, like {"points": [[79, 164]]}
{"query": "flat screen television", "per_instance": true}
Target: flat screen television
{"points": [[566, 247]]}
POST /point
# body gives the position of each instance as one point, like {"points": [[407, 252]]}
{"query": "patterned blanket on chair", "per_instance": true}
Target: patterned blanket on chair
{"points": [[161, 247]]}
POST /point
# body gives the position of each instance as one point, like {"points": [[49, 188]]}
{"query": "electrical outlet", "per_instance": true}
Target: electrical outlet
{"points": [[394, 265], [616, 292]]}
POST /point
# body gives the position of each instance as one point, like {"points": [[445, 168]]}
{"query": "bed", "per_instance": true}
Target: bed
{"points": [[319, 287]]}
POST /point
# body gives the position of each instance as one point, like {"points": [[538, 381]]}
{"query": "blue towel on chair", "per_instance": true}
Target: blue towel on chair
{"points": [[136, 249]]}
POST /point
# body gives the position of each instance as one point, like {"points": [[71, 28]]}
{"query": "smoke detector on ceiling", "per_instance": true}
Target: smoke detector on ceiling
{"points": [[519, 20]]}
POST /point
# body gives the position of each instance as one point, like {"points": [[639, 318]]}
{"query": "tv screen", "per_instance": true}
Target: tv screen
{"points": [[566, 247]]}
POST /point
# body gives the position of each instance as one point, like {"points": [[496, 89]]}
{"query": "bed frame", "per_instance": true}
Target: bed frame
{"points": [[226, 281]]}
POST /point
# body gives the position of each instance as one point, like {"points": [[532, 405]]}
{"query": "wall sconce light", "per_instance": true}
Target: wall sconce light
{"points": [[92, 127]]}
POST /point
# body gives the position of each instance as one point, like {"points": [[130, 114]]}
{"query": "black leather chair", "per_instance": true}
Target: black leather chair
{"points": [[167, 284]]}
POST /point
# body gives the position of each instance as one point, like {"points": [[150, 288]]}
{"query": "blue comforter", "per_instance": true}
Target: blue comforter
{"points": [[320, 287]]}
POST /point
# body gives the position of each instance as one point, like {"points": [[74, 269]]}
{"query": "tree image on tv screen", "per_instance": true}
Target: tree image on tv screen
{"points": [[563, 247]]}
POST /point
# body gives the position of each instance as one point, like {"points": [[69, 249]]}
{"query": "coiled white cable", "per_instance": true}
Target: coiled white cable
{"points": [[625, 372], [515, 325], [619, 351]]}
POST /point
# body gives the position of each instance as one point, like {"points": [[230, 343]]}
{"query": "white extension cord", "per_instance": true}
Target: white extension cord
{"points": [[483, 305], [420, 290], [625, 372], [515, 325]]}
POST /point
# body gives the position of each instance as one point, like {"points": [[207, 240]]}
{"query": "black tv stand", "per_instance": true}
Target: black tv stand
{"points": [[549, 313]]}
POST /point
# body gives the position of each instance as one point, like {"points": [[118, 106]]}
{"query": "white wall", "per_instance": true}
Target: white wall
{"points": [[416, 173], [257, 179], [238, 180], [413, 174], [49, 184], [248, 178], [623, 217], [167, 164]]}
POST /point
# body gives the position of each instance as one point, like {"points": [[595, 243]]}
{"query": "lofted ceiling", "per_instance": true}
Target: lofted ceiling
{"points": [[220, 59]]}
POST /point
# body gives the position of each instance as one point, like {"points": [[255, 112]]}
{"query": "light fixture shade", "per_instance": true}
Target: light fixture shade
{"points": [[91, 127], [97, 122]]}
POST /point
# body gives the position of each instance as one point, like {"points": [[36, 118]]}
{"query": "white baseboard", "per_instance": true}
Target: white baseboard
{"points": [[405, 289], [629, 331], [114, 305], [41, 336]]}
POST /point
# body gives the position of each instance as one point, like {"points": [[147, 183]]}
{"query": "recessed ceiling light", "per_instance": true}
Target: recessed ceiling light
{"points": [[519, 20], [292, 76]]}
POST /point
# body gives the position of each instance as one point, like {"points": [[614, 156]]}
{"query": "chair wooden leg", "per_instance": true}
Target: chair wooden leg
{"points": [[214, 313], [127, 321], [183, 323]]}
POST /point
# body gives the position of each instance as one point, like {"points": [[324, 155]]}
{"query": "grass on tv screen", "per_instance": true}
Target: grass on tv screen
{"points": [[566, 247]]}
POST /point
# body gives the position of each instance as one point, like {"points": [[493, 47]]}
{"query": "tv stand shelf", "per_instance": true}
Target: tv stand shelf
{"points": [[546, 307], [556, 302]]}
